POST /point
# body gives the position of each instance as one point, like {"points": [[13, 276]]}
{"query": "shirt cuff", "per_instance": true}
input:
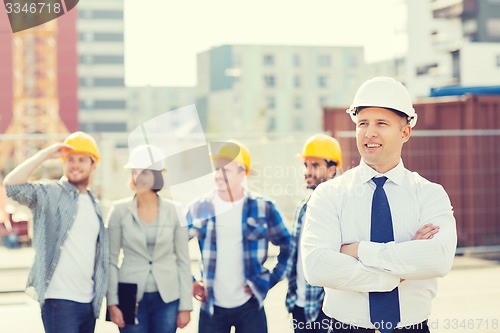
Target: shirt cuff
{"points": [[112, 300], [368, 256], [368, 253]]}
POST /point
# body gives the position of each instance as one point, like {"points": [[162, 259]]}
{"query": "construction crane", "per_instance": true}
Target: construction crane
{"points": [[35, 93]]}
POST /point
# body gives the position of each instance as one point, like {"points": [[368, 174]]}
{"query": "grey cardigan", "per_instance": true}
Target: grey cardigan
{"points": [[169, 263]]}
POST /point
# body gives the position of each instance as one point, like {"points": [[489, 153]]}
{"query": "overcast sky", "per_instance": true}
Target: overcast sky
{"points": [[164, 36]]}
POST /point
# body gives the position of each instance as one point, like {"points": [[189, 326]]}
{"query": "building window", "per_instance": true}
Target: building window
{"points": [[86, 82], [323, 100], [297, 102], [110, 104], [268, 59], [103, 104], [108, 37], [108, 59], [85, 59], [86, 36], [298, 124], [498, 60], [297, 82], [101, 59], [323, 81], [270, 81], [271, 124], [85, 14], [87, 104], [324, 61], [426, 69], [101, 37], [109, 82], [101, 14], [110, 127], [271, 102], [296, 60]]}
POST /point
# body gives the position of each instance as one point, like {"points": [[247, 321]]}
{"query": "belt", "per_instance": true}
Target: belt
{"points": [[340, 327]]}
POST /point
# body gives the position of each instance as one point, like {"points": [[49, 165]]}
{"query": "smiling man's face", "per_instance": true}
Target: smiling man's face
{"points": [[380, 135]]}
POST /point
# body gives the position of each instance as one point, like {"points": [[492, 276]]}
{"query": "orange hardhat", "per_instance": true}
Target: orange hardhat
{"points": [[83, 143], [234, 150], [323, 146]]}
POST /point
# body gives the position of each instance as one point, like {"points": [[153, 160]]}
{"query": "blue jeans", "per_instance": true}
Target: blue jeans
{"points": [[64, 316], [154, 316], [248, 318]]}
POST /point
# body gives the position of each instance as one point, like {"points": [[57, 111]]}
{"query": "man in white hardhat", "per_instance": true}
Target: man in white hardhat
{"points": [[378, 237]]}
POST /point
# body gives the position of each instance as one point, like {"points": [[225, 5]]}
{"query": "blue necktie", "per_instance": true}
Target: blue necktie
{"points": [[384, 306]]}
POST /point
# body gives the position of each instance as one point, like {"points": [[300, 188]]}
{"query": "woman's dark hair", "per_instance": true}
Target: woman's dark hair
{"points": [[158, 183], [158, 180]]}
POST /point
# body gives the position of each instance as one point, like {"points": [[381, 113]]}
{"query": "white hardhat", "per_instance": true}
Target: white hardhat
{"points": [[384, 92], [146, 157]]}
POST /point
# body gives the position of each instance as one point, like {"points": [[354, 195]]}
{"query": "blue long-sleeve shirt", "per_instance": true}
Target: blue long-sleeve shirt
{"points": [[54, 207], [261, 224]]}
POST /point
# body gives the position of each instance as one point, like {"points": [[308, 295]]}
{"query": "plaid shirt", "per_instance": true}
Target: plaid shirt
{"points": [[261, 223], [314, 295], [54, 207]]}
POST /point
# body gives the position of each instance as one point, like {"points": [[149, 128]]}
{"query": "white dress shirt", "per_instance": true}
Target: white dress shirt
{"points": [[339, 212]]}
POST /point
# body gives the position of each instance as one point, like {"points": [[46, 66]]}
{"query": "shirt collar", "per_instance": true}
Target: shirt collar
{"points": [[396, 174], [67, 185]]}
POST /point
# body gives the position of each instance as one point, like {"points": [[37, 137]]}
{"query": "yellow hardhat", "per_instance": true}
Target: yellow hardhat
{"points": [[83, 143], [323, 146], [234, 150]]}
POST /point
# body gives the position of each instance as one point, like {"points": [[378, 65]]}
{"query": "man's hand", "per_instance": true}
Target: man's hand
{"points": [[199, 291], [56, 150], [248, 290], [183, 318], [116, 315], [427, 231], [350, 249]]}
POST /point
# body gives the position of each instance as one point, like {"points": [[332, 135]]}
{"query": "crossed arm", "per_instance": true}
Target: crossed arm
{"points": [[366, 266], [427, 231]]}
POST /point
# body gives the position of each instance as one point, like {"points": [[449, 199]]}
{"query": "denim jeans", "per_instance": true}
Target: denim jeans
{"points": [[248, 318], [154, 315], [64, 316]]}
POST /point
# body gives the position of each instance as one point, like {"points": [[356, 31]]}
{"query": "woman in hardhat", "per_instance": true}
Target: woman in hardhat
{"points": [[155, 252]]}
